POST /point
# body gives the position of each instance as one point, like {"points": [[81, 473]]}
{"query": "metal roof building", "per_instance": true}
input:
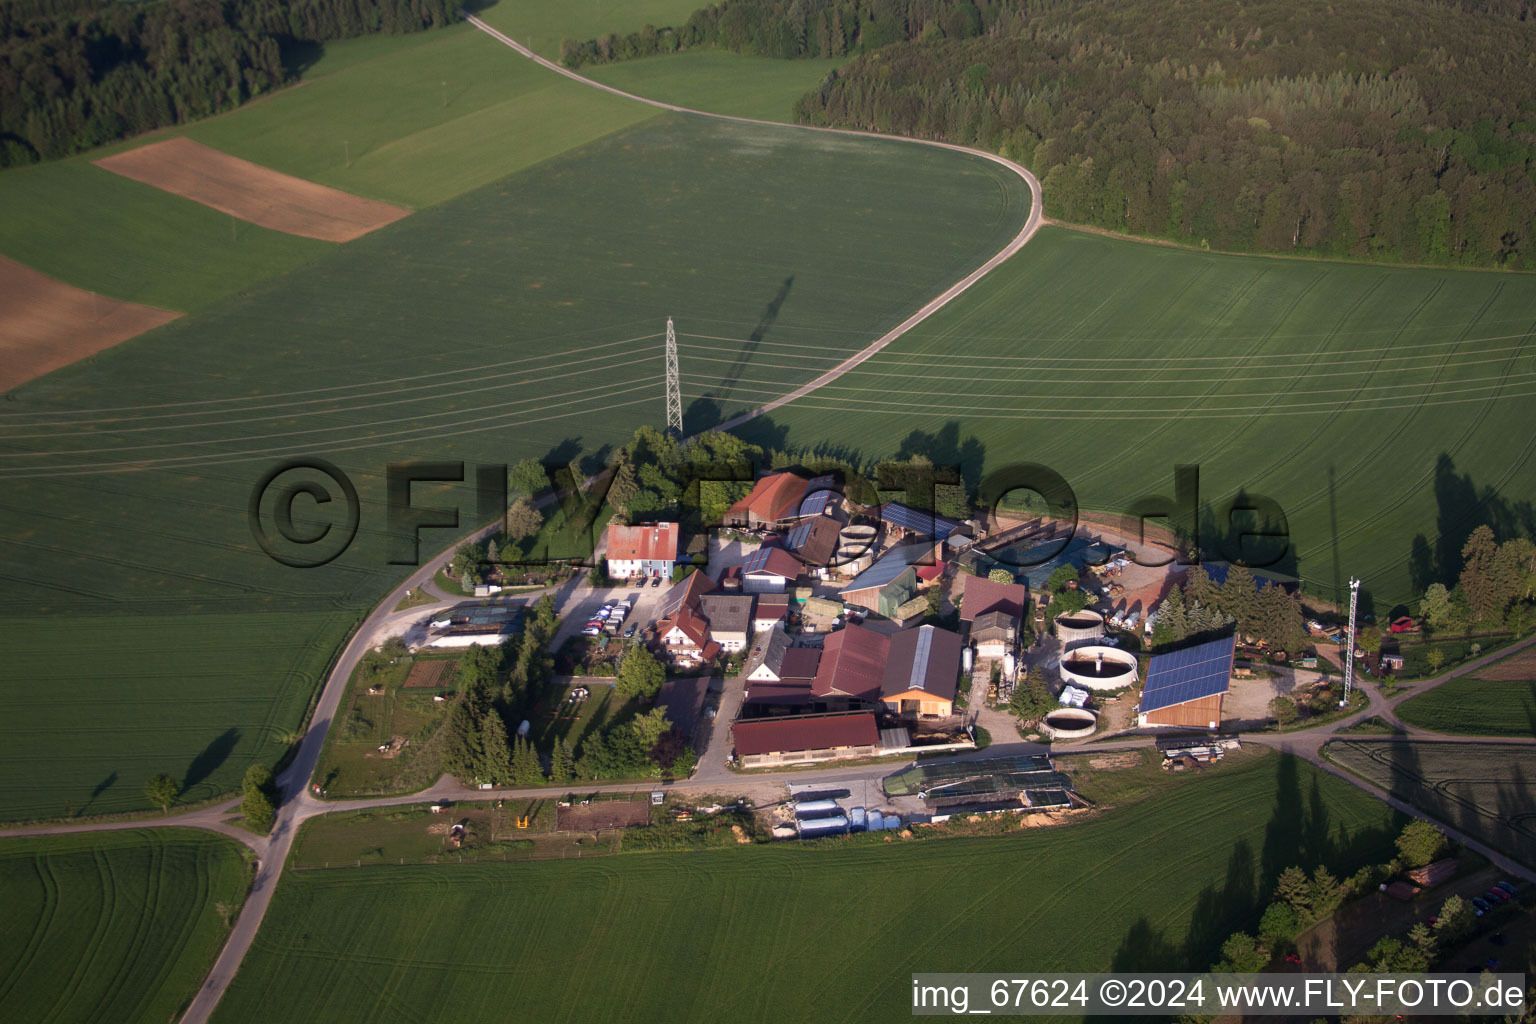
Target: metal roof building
{"points": [[924, 524], [1185, 687]]}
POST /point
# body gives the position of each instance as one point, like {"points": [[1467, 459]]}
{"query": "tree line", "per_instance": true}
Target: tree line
{"points": [[1265, 127], [75, 74], [1199, 608]]}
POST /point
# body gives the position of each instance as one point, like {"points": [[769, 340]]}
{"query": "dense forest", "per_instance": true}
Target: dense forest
{"points": [[1397, 130], [78, 73]]}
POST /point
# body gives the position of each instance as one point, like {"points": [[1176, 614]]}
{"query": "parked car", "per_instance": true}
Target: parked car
{"points": [[639, 581], [1481, 905], [631, 630], [592, 631], [1496, 895], [656, 582], [1507, 886]]}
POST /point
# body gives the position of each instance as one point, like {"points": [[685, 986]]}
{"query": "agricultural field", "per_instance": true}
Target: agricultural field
{"points": [[97, 704], [522, 319], [118, 926], [412, 120], [718, 81], [542, 25], [667, 936], [1483, 789], [1475, 706], [1403, 396]]}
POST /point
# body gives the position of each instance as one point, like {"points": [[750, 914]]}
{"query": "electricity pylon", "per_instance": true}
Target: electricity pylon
{"points": [[674, 390]]}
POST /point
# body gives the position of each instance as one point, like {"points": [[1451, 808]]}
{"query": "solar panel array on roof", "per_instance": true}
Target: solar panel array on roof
{"points": [[798, 536], [924, 523], [1189, 674], [818, 498], [756, 560], [891, 565]]}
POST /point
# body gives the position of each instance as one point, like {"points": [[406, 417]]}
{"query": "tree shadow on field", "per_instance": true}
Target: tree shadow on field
{"points": [[100, 788], [1462, 507], [211, 759]]}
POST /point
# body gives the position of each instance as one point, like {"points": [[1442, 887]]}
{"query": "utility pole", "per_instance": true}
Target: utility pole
{"points": [[674, 392], [1349, 640]]}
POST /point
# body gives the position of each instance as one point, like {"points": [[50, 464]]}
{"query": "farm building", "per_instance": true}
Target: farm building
{"points": [[903, 520], [922, 670], [891, 581], [979, 595], [471, 625], [648, 550], [994, 633], [780, 499], [769, 610], [813, 542], [780, 674], [1185, 687], [769, 570], [684, 594], [852, 667], [994, 783], [730, 619], [804, 738]]}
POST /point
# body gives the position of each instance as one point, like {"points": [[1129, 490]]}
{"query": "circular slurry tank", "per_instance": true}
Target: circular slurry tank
{"points": [[854, 559], [1079, 627], [1070, 724], [1099, 668]]}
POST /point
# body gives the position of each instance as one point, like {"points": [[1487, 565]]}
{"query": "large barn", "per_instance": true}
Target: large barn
{"points": [[1184, 688]]}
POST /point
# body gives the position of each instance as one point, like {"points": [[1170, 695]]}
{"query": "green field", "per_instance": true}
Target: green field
{"points": [[520, 319], [718, 81], [1475, 707], [728, 933], [542, 25], [1483, 789], [96, 704], [421, 118], [117, 926], [1385, 410]]}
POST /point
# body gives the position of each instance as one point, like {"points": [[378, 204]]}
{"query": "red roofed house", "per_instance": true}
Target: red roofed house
{"points": [[684, 639], [773, 501], [804, 738], [852, 667], [649, 550]]}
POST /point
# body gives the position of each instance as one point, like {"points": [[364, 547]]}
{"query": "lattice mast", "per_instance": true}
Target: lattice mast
{"points": [[1349, 639], [674, 390]]}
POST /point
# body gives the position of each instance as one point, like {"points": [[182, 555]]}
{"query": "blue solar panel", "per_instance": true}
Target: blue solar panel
{"points": [[818, 500], [925, 523], [798, 536], [891, 565], [756, 561], [1188, 674]]}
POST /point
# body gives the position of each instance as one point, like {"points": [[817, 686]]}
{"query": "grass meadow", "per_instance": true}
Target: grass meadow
{"points": [[521, 319], [1387, 411], [115, 926], [414, 120], [95, 704], [542, 25], [1469, 706], [1483, 789], [730, 933], [719, 81]]}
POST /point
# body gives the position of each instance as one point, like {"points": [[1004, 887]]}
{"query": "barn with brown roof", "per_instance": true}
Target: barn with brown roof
{"points": [[805, 738]]}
